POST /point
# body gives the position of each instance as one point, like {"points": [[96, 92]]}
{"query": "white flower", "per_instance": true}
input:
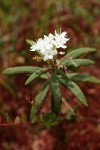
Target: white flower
{"points": [[33, 47], [49, 38], [60, 39], [49, 54], [49, 44], [42, 45], [37, 45]]}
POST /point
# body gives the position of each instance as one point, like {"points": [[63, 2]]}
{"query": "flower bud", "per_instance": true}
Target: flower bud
{"points": [[62, 53]]}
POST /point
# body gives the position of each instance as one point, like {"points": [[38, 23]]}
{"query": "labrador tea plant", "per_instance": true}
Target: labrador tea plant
{"points": [[57, 70]]}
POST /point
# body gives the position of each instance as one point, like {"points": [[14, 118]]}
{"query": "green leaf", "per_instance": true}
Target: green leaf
{"points": [[78, 62], [44, 76], [39, 100], [74, 88], [18, 70], [25, 69], [79, 77], [79, 52], [31, 42], [62, 74], [56, 102], [35, 75]]}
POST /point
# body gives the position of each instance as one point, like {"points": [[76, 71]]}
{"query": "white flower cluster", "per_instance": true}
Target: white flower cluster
{"points": [[49, 44]]}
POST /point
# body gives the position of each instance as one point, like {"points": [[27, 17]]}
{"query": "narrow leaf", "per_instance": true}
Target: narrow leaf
{"points": [[35, 75], [62, 74], [39, 100], [79, 52], [18, 70], [79, 77], [44, 76], [78, 62], [75, 89], [56, 105]]}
